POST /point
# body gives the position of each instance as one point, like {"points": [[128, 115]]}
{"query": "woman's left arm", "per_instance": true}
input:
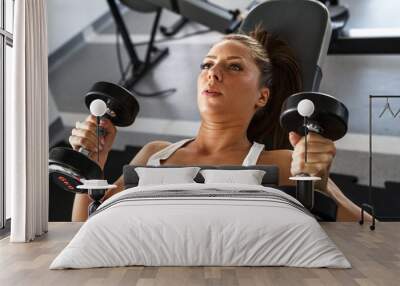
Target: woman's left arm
{"points": [[347, 210], [320, 154]]}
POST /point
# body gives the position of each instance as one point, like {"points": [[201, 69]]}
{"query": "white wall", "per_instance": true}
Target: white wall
{"points": [[66, 18]]}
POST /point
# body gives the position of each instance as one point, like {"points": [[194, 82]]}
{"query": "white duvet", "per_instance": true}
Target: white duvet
{"points": [[201, 224]]}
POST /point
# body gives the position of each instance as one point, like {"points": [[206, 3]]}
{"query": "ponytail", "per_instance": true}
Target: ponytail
{"points": [[285, 81], [281, 73]]}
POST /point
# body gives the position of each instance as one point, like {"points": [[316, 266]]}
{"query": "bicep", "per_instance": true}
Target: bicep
{"points": [[283, 160], [284, 163], [284, 179]]}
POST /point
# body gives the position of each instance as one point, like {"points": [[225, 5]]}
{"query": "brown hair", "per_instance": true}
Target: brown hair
{"points": [[281, 73]]}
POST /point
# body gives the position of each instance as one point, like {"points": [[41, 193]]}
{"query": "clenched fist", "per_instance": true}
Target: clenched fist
{"points": [[84, 135], [320, 154]]}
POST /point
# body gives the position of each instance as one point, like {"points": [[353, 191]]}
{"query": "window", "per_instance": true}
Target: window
{"points": [[2, 204], [6, 42]]}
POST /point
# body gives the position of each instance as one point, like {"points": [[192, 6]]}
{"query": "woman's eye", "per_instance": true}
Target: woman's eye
{"points": [[205, 66], [235, 67]]}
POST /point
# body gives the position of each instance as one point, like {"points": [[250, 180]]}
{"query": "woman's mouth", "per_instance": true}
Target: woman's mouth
{"points": [[209, 92]]}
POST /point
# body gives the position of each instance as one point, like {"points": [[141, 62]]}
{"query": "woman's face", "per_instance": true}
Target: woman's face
{"points": [[228, 85]]}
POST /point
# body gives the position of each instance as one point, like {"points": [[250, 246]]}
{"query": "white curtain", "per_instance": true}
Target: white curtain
{"points": [[26, 123]]}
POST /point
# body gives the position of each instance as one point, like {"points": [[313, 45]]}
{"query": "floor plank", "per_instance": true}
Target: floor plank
{"points": [[374, 255]]}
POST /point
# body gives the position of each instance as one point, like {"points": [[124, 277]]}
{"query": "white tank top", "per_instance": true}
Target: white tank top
{"points": [[154, 160]]}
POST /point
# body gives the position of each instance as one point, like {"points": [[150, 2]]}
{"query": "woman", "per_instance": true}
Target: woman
{"points": [[243, 82]]}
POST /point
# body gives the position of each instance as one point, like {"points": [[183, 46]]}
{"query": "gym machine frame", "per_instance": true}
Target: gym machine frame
{"points": [[139, 68]]}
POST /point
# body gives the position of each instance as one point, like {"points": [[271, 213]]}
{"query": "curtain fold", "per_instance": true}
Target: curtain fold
{"points": [[27, 123]]}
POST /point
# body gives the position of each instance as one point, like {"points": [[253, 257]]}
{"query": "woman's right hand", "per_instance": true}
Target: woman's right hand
{"points": [[84, 135]]}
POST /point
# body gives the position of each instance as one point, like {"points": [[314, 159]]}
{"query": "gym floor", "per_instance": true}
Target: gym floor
{"points": [[374, 257], [350, 78]]}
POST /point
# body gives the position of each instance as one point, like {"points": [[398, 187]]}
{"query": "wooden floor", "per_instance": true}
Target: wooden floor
{"points": [[374, 255]]}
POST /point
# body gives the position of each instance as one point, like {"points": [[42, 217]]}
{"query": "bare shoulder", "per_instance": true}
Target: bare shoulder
{"points": [[147, 151], [155, 146]]}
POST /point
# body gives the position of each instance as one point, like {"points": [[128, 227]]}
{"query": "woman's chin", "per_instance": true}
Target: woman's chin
{"points": [[214, 108], [216, 113]]}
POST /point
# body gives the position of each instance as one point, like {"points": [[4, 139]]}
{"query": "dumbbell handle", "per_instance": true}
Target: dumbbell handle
{"points": [[305, 193], [84, 151]]}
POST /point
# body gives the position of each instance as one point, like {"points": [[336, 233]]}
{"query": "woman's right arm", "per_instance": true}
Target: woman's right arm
{"points": [[84, 135]]}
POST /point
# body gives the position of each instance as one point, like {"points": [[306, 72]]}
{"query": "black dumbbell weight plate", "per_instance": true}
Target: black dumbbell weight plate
{"points": [[64, 179], [67, 167], [329, 113], [118, 99]]}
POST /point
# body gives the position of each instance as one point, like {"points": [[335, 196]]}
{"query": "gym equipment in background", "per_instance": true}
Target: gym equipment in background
{"points": [[211, 15], [306, 27], [153, 53], [370, 205], [67, 167], [339, 15], [319, 113], [179, 24], [362, 40], [388, 108]]}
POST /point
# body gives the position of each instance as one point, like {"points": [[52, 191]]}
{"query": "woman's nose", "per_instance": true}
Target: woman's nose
{"points": [[215, 74]]}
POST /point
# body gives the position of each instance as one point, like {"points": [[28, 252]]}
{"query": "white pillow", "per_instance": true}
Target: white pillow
{"points": [[248, 177], [162, 176]]}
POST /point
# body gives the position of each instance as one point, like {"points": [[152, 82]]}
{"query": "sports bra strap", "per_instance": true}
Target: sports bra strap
{"points": [[155, 159], [165, 153], [253, 155]]}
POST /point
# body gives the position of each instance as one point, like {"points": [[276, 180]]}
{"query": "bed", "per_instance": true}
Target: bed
{"points": [[201, 224]]}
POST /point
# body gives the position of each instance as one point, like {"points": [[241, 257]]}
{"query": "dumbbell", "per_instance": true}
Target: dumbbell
{"points": [[96, 190], [69, 168], [316, 112]]}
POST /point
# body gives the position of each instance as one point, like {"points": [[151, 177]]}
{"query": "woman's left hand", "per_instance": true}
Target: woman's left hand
{"points": [[320, 154]]}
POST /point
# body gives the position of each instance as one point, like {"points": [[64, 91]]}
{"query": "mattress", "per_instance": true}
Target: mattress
{"points": [[201, 225]]}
